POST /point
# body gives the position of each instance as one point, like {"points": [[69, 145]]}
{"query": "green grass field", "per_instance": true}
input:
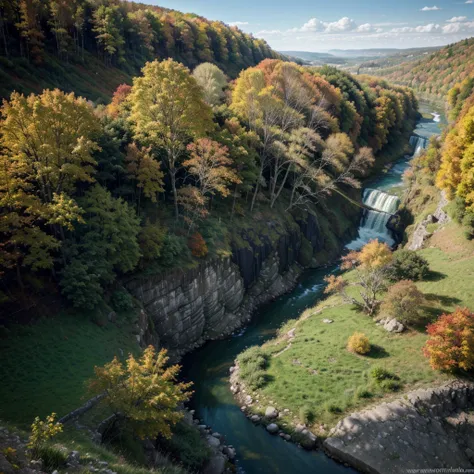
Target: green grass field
{"points": [[318, 375], [45, 365]]}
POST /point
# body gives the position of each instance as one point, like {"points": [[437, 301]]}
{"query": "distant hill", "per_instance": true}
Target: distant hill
{"points": [[314, 58], [91, 47], [377, 52], [434, 75]]}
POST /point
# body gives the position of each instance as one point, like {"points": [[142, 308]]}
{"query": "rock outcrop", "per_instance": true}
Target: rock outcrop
{"points": [[421, 231], [188, 307], [425, 429]]}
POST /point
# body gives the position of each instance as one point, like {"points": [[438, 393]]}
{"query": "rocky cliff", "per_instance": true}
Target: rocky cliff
{"points": [[186, 308], [430, 430]]}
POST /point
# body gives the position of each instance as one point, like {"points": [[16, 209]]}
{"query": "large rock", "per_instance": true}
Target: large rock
{"points": [[216, 465], [272, 428], [271, 412], [392, 325]]}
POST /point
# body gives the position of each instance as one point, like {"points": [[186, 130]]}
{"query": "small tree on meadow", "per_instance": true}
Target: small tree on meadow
{"points": [[450, 345], [144, 392], [371, 270], [403, 302]]}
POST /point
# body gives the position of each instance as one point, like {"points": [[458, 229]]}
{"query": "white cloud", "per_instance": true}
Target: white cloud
{"points": [[340, 26], [238, 23], [313, 25], [430, 9], [460, 27], [431, 28], [469, 1], [457, 19]]}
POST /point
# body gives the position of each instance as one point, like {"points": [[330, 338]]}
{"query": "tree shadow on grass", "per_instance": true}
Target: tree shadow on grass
{"points": [[434, 276], [441, 300], [377, 352]]}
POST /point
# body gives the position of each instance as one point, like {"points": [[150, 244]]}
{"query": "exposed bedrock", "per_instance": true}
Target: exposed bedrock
{"points": [[425, 429], [188, 307]]}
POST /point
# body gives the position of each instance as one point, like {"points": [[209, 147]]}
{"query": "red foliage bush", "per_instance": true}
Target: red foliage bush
{"points": [[451, 342], [198, 246]]}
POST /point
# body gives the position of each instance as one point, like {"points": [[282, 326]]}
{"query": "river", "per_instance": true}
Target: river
{"points": [[208, 367]]}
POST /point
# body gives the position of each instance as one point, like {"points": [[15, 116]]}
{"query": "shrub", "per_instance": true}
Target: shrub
{"points": [[468, 225], [174, 249], [122, 300], [53, 458], [408, 265], [186, 447], [42, 432], [333, 408], [363, 392], [450, 345], [358, 343], [253, 364], [403, 301], [379, 374], [306, 415], [198, 246], [390, 385]]}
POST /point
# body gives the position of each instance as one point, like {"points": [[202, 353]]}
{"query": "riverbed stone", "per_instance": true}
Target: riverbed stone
{"points": [[255, 418], [271, 412], [272, 428], [213, 441]]}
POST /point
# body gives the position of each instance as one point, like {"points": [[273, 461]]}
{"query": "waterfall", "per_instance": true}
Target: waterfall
{"points": [[374, 222], [418, 143]]}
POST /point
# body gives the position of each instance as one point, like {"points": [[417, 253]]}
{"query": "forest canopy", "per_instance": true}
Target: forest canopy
{"points": [[155, 179]]}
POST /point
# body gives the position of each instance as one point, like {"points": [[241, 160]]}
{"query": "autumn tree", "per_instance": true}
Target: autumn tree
{"points": [[210, 165], [145, 171], [212, 81], [107, 27], [450, 344], [143, 393], [167, 112], [371, 270]]}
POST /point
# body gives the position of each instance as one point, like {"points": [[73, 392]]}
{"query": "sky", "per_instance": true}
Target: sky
{"points": [[321, 25]]}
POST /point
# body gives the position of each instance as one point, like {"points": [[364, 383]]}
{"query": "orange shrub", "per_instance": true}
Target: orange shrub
{"points": [[198, 246], [358, 343], [451, 342]]}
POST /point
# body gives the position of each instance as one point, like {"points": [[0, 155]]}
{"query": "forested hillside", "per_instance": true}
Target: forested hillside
{"points": [[170, 171], [436, 74], [90, 46]]}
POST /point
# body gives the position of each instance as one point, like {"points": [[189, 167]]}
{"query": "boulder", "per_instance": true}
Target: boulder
{"points": [[255, 418], [328, 321], [392, 325], [272, 428], [216, 465], [271, 412], [213, 442]]}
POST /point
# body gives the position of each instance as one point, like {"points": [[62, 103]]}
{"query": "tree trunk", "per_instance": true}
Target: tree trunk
{"points": [[175, 194]]}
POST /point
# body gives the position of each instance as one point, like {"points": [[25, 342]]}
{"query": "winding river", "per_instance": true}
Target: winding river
{"points": [[208, 367]]}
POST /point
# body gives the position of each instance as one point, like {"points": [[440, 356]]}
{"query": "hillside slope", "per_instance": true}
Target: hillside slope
{"points": [[91, 47], [436, 74]]}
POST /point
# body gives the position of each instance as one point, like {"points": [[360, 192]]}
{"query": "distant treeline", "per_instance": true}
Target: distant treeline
{"points": [[123, 34]]}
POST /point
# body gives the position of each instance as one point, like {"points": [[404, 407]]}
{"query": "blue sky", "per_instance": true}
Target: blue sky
{"points": [[320, 25]]}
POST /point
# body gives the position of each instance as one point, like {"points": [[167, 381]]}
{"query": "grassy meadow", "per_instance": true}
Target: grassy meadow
{"points": [[319, 380]]}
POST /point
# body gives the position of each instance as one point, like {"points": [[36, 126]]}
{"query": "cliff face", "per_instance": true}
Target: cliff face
{"points": [[187, 308]]}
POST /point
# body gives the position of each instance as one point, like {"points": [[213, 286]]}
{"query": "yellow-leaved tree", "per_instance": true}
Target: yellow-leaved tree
{"points": [[371, 266], [168, 111], [143, 393]]}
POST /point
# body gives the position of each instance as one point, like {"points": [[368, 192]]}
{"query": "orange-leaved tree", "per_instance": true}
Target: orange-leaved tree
{"points": [[450, 345]]}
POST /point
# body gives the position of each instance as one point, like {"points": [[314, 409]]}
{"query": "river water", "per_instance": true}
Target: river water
{"points": [[208, 367]]}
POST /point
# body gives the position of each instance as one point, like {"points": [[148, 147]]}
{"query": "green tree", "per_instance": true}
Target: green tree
{"points": [[105, 245]]}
